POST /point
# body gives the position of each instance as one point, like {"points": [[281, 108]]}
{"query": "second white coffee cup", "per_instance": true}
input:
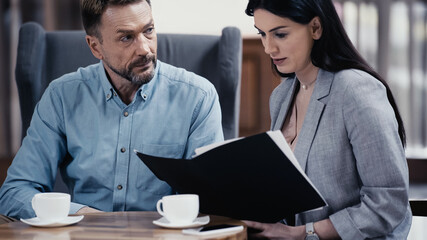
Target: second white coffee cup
{"points": [[51, 207], [179, 209]]}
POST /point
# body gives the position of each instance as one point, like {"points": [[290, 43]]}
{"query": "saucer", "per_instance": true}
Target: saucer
{"points": [[36, 222], [200, 221]]}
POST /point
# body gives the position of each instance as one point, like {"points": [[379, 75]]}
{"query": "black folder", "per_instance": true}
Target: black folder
{"points": [[253, 178]]}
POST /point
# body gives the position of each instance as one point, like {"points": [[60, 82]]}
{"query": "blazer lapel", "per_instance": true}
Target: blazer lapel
{"points": [[288, 96], [314, 112]]}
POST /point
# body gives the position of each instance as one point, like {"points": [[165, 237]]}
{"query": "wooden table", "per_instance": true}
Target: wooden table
{"points": [[111, 225]]}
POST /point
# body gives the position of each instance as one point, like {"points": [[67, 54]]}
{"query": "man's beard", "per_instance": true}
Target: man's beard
{"points": [[128, 73]]}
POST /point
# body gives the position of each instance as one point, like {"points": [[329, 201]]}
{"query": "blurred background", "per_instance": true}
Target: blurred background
{"points": [[390, 34]]}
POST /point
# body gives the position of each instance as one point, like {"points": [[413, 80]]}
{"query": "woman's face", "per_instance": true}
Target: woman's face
{"points": [[287, 42]]}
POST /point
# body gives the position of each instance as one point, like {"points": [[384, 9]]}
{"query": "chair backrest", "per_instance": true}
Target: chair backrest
{"points": [[44, 56]]}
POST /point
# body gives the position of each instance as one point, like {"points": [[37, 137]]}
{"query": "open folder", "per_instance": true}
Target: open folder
{"points": [[253, 178]]}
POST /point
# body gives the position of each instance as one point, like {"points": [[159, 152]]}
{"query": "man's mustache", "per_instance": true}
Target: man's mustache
{"points": [[142, 61]]}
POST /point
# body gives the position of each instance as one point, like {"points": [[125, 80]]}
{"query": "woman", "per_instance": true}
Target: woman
{"points": [[341, 121]]}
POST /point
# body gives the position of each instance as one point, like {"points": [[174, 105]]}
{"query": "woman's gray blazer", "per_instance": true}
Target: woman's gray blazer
{"points": [[350, 149]]}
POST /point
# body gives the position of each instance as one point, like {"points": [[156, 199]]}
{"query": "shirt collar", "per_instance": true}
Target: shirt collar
{"points": [[106, 85], [145, 91]]}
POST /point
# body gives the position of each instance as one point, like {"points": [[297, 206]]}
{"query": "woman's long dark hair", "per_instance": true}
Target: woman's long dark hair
{"points": [[334, 51]]}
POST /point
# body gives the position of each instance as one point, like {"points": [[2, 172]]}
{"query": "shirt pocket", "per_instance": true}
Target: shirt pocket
{"points": [[146, 180]]}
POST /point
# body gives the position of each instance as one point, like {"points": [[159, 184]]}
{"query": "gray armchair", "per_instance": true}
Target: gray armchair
{"points": [[44, 56]]}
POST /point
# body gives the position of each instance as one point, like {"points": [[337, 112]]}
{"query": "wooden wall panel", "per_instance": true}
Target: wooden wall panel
{"points": [[4, 165], [258, 81]]}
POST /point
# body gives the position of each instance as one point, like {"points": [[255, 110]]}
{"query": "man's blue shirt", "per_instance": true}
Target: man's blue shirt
{"points": [[81, 126]]}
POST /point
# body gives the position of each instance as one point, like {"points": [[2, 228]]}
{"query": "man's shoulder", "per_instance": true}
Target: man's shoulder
{"points": [[81, 75], [177, 75]]}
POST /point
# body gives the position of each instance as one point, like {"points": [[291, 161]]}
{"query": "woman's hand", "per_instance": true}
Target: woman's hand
{"points": [[275, 231], [324, 229]]}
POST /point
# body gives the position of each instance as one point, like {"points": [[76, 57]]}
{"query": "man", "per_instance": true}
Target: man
{"points": [[89, 122]]}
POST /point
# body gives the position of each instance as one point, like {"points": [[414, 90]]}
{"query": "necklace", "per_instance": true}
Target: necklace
{"points": [[306, 86]]}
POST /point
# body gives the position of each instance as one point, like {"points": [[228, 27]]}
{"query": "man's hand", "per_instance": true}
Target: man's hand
{"points": [[86, 210]]}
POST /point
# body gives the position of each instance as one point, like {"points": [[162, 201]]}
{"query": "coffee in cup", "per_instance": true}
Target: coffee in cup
{"points": [[51, 207], [179, 209]]}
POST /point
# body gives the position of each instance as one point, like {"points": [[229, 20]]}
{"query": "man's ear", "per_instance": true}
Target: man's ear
{"points": [[316, 28], [95, 46]]}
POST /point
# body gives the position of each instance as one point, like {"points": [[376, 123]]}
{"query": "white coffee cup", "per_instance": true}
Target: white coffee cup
{"points": [[51, 207], [179, 209]]}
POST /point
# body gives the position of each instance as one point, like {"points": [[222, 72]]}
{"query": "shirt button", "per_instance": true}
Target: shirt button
{"points": [[120, 187], [123, 149], [126, 114]]}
